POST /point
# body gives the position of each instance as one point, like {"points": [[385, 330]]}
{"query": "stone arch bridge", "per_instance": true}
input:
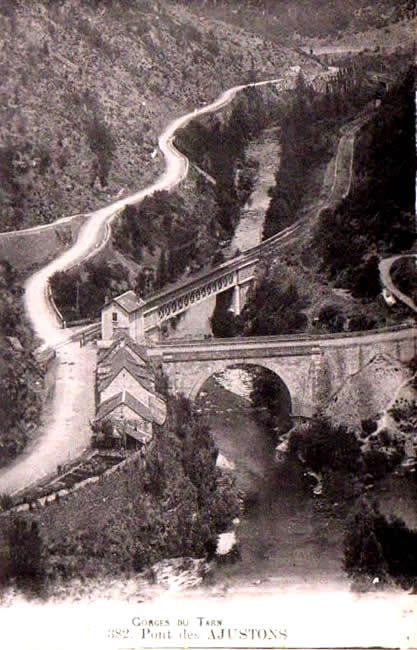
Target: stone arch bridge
{"points": [[312, 368]]}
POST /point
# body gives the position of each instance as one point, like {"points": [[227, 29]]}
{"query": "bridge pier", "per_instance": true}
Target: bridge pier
{"points": [[240, 292], [236, 305]]}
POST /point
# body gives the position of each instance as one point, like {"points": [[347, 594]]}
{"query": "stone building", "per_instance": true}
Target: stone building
{"points": [[119, 316], [127, 401]]}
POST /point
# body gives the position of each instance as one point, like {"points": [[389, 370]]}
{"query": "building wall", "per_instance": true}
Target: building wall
{"points": [[125, 381], [108, 326], [123, 412]]}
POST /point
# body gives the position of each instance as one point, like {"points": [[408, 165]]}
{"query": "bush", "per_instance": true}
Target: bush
{"points": [[6, 501], [332, 318], [369, 426], [379, 463], [375, 546], [274, 309], [325, 446], [26, 555]]}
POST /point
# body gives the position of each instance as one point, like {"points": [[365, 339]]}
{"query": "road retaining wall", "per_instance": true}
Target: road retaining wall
{"points": [[31, 249]]}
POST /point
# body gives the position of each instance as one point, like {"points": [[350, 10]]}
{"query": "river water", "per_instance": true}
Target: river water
{"points": [[287, 539], [284, 538]]}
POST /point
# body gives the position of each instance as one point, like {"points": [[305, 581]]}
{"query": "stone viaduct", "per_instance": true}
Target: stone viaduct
{"points": [[147, 318], [312, 368]]}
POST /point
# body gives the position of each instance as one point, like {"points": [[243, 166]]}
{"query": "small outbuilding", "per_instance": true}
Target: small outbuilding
{"points": [[119, 316]]}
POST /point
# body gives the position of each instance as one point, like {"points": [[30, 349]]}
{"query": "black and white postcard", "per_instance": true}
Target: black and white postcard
{"points": [[208, 340]]}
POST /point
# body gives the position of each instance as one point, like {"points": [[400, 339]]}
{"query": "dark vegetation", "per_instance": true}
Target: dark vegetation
{"points": [[174, 504], [316, 18], [377, 218], [219, 149], [83, 102], [377, 547], [271, 401], [325, 447], [100, 139], [270, 308], [26, 561], [348, 461], [224, 323], [21, 377], [307, 137], [404, 276], [274, 310], [82, 292], [168, 234]]}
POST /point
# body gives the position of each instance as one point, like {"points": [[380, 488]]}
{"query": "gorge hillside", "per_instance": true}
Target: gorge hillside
{"points": [[309, 18], [87, 87]]}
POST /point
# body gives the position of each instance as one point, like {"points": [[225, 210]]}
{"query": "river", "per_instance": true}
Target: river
{"points": [[195, 323], [285, 540]]}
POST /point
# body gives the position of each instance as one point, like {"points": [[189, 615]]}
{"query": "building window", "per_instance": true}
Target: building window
{"points": [[114, 317]]}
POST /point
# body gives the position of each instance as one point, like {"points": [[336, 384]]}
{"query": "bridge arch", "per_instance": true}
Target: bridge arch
{"points": [[214, 369]]}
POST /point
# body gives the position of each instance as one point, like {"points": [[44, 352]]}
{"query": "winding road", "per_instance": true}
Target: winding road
{"points": [[385, 266], [65, 429]]}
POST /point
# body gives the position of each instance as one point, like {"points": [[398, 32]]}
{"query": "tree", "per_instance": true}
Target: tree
{"points": [[224, 323], [26, 554], [367, 283], [102, 144], [274, 309], [332, 317], [161, 273], [325, 446], [376, 546]]}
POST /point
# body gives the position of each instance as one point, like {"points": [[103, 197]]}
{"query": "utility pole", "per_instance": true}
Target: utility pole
{"points": [[77, 298]]}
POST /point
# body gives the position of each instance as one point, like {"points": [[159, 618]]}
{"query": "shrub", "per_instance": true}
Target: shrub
{"points": [[379, 463], [369, 426], [375, 546], [332, 318], [6, 501], [26, 555], [274, 309], [325, 446]]}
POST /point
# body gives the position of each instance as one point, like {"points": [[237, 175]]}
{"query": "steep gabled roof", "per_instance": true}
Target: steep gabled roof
{"points": [[128, 301], [108, 406], [123, 340], [137, 407], [123, 360], [124, 397]]}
